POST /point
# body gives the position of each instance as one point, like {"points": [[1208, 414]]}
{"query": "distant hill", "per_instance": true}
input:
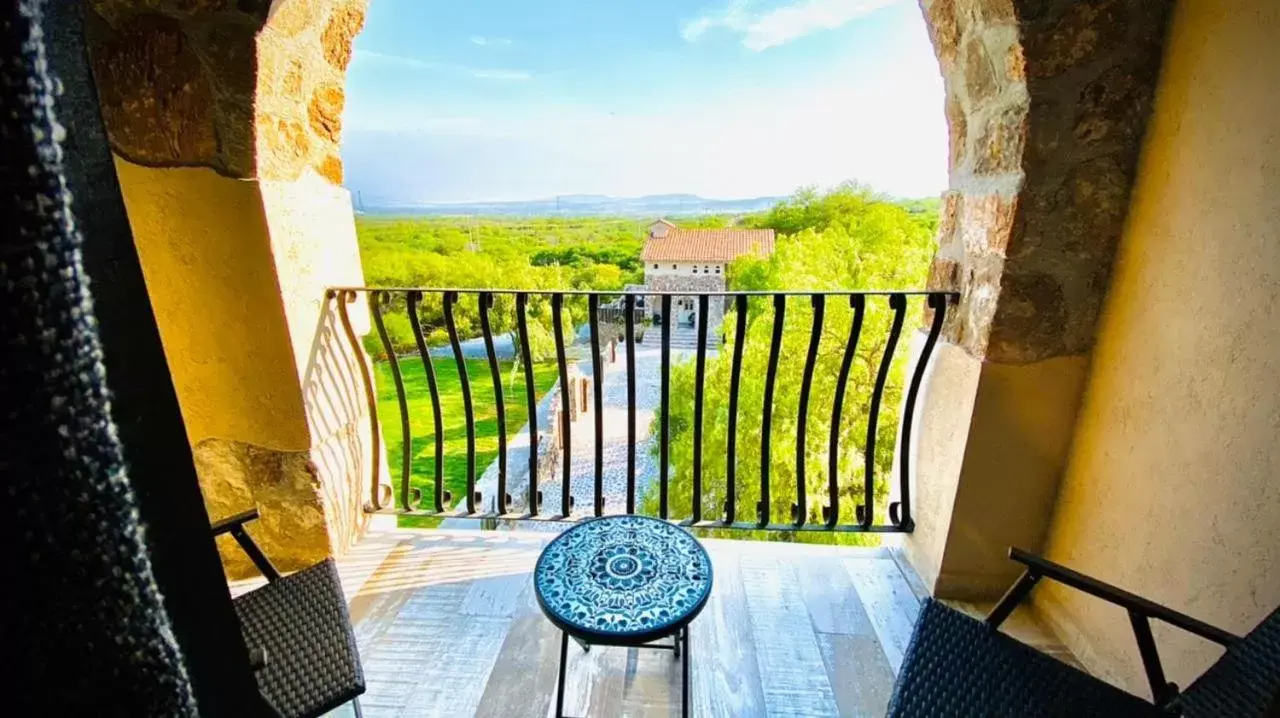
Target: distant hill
{"points": [[584, 205]]}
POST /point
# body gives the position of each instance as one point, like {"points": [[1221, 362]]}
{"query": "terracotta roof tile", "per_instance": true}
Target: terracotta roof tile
{"points": [[708, 245]]}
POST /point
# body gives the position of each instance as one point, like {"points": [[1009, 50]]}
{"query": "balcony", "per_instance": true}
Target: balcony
{"points": [[1042, 420], [446, 617], [448, 626]]}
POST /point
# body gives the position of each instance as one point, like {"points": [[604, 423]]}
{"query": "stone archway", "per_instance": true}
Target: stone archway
{"points": [[1047, 103], [225, 119], [250, 89]]}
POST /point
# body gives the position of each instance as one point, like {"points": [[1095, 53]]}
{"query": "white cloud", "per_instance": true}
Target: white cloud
{"points": [[501, 74], [763, 29], [483, 41], [876, 117], [370, 58], [382, 59], [888, 131], [734, 17]]}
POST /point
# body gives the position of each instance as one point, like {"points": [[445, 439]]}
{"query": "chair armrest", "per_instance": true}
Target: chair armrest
{"points": [[1140, 611], [1041, 567], [235, 526], [231, 522]]}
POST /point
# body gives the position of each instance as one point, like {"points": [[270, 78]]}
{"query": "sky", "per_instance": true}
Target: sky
{"points": [[495, 100]]}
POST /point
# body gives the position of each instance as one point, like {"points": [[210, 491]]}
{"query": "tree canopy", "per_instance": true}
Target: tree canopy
{"points": [[494, 253], [845, 239], [469, 253]]}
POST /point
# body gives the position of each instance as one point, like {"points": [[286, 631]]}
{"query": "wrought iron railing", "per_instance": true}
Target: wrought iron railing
{"points": [[622, 308]]}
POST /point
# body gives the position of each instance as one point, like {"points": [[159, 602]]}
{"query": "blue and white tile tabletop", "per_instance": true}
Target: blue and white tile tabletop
{"points": [[622, 580]]}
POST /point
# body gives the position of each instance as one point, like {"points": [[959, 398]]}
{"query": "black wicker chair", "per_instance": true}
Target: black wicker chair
{"points": [[298, 632], [956, 665]]}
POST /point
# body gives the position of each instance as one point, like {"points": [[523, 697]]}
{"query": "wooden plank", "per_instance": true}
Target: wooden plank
{"points": [[454, 675], [889, 602], [375, 607], [651, 683], [796, 633], [859, 673], [406, 655], [594, 681], [724, 673], [829, 596], [497, 595], [908, 572], [362, 561], [346, 710], [523, 680], [792, 673], [436, 654]]}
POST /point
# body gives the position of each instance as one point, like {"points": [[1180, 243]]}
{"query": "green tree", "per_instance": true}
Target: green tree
{"points": [[841, 240], [467, 253]]}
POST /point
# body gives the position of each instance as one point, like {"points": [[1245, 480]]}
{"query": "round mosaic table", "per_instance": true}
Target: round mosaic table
{"points": [[623, 581]]}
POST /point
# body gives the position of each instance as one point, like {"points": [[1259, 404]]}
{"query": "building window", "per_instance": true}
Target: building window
{"points": [[717, 269], [655, 266], [695, 270], [673, 266]]}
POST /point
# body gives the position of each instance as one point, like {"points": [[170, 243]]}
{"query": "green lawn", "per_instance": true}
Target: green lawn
{"points": [[421, 424]]}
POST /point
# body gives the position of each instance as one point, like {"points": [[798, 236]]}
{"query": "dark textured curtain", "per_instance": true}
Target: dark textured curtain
{"points": [[82, 627]]}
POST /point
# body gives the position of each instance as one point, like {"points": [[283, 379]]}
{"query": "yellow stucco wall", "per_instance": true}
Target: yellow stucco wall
{"points": [[268, 383], [988, 459], [1020, 433], [1173, 484], [313, 240], [943, 417], [206, 255]]}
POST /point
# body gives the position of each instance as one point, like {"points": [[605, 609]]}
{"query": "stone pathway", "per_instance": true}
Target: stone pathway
{"points": [[582, 432]]}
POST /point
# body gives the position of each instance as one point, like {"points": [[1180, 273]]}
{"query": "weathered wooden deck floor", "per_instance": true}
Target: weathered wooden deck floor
{"points": [[448, 626]]}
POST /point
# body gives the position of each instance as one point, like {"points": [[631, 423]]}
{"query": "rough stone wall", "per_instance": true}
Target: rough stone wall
{"points": [[549, 456], [1047, 102], [692, 283], [303, 54], [282, 485], [250, 89]]}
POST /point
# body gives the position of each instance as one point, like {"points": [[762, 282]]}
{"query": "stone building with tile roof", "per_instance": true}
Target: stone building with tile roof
{"points": [[696, 260]]}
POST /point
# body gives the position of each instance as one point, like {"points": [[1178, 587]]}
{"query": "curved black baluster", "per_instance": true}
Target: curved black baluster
{"points": [[664, 436], [866, 512], [731, 465], [376, 495], [629, 304], [832, 511], [495, 373], [900, 511], [775, 351], [800, 509], [701, 375], [531, 400], [597, 380], [380, 300], [441, 496], [451, 298], [566, 500]]}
